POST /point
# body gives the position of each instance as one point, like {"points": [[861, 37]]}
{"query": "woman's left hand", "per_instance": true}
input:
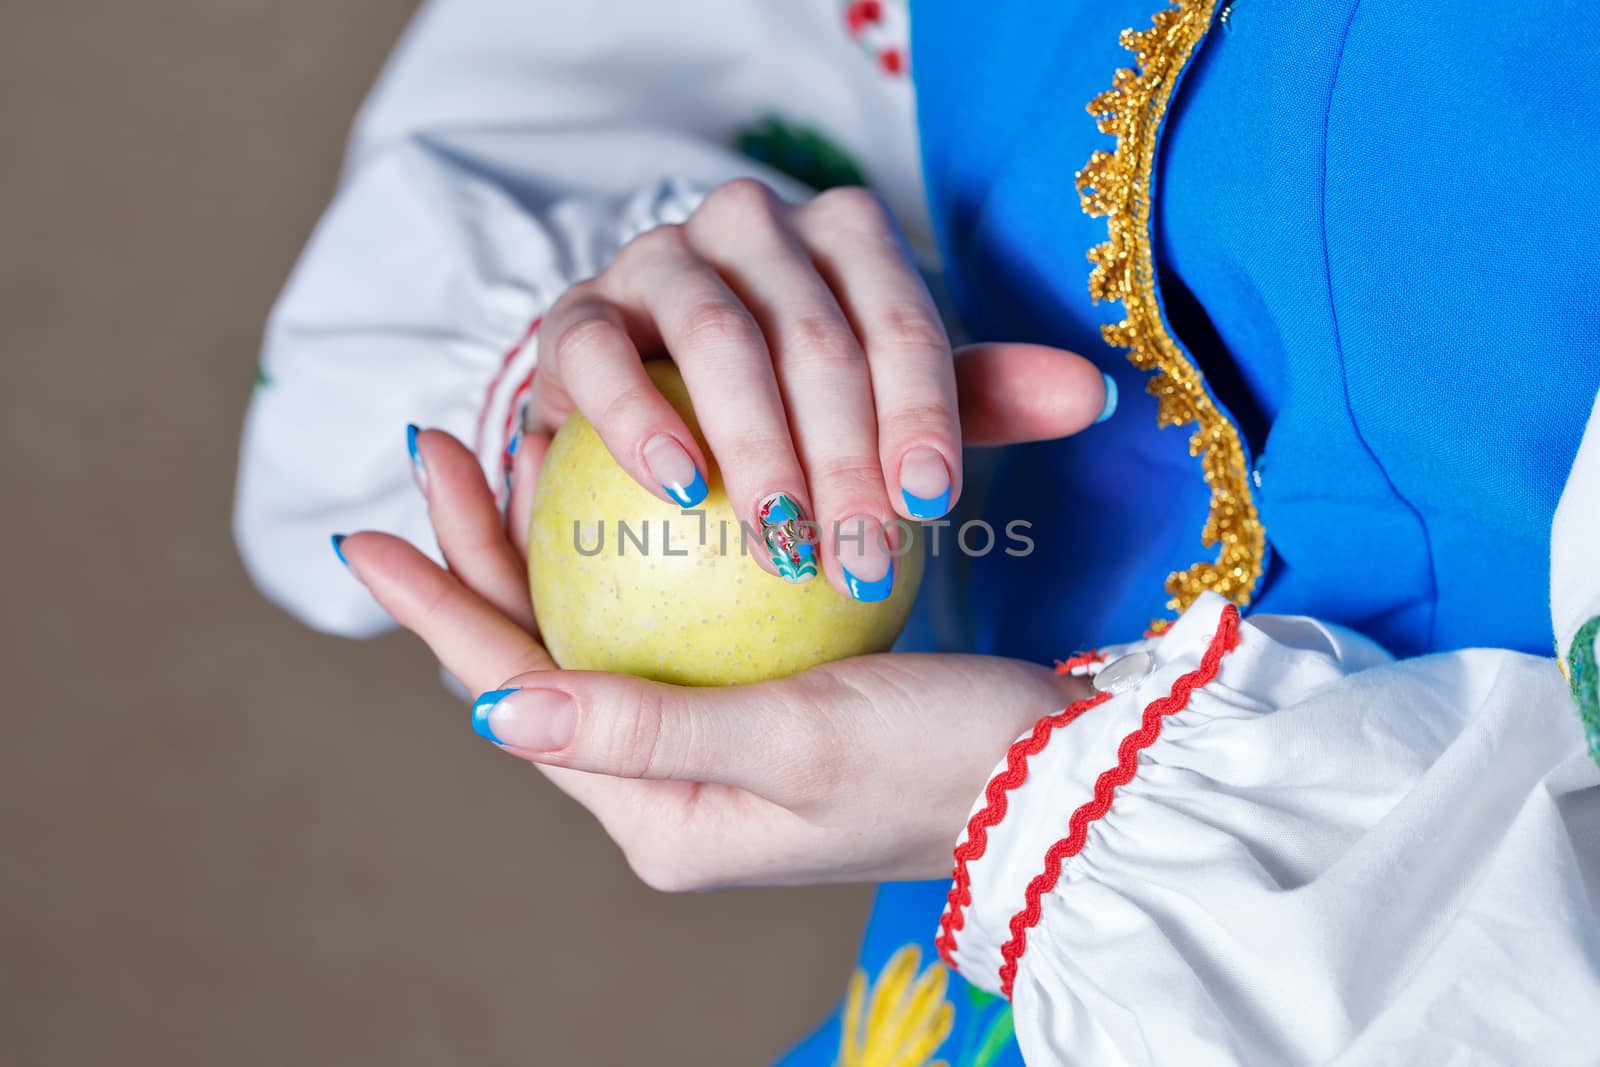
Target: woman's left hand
{"points": [[859, 770]]}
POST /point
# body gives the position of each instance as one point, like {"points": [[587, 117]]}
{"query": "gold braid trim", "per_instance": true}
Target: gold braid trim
{"points": [[1116, 185]]}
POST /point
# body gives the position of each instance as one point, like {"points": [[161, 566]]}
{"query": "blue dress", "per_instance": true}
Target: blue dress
{"points": [[1371, 228]]}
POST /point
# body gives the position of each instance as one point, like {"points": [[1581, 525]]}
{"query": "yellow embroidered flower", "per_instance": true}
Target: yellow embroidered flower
{"points": [[907, 1019]]}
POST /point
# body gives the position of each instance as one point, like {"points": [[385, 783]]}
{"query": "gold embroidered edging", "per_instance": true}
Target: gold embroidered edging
{"points": [[1116, 185]]}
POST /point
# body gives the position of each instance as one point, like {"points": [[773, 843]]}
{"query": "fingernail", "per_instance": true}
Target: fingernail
{"points": [[790, 537], [511, 457], [671, 466], [539, 719], [418, 471], [925, 483], [864, 557], [1111, 400], [338, 548]]}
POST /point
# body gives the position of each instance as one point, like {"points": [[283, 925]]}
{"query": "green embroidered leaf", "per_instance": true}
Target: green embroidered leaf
{"points": [[800, 152], [1585, 672]]}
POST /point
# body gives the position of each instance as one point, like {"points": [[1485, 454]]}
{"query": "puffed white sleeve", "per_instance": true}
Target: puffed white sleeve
{"points": [[1263, 842], [511, 148]]}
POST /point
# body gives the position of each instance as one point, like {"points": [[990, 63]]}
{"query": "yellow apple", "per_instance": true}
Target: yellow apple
{"points": [[624, 581]]}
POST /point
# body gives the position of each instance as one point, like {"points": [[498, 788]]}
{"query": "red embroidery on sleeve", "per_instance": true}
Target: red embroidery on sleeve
{"points": [[494, 383], [992, 812], [1082, 660], [1225, 640]]}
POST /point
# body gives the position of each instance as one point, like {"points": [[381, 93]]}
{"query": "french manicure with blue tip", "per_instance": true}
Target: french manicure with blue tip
{"points": [[670, 465], [419, 470], [862, 549], [543, 720], [1110, 407], [338, 548], [925, 484]]}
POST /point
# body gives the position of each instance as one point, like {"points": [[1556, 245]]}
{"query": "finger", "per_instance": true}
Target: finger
{"points": [[1011, 393], [550, 401], [858, 249], [480, 646], [593, 363], [471, 638], [720, 349], [467, 523], [827, 391], [526, 461], [749, 737]]}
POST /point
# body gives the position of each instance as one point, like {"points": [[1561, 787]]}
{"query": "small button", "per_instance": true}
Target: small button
{"points": [[1124, 674]]}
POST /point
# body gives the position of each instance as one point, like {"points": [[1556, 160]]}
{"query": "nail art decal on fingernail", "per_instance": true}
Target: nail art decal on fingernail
{"points": [[338, 548], [790, 537]]}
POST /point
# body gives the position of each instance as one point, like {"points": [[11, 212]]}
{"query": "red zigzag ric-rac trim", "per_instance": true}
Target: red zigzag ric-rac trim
{"points": [[992, 812], [499, 375], [1224, 641]]}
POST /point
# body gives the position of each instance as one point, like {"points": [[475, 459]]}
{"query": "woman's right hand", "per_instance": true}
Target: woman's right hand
{"points": [[818, 367], [790, 781]]}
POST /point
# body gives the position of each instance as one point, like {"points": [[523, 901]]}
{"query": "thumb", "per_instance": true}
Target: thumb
{"points": [[752, 737], [1011, 393]]}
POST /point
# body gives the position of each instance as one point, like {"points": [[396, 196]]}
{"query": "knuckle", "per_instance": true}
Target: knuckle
{"points": [[917, 418], [718, 324], [430, 613], [639, 735], [741, 198], [657, 243], [582, 339], [576, 294], [820, 337], [852, 203], [908, 327], [627, 407], [758, 450], [851, 477]]}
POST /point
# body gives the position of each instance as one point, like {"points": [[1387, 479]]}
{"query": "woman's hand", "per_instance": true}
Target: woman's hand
{"points": [[864, 769], [818, 367]]}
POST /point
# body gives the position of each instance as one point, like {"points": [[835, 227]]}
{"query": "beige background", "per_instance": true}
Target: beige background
{"points": [[227, 839]]}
